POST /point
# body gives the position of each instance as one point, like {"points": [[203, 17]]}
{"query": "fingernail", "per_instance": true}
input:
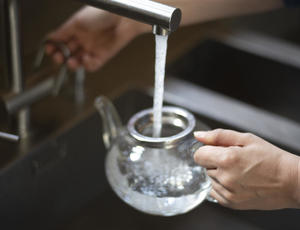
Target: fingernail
{"points": [[199, 134]]}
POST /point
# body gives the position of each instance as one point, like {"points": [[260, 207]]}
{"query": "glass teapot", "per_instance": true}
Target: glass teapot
{"points": [[154, 175]]}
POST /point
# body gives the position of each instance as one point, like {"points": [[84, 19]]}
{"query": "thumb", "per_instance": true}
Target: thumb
{"points": [[222, 137]]}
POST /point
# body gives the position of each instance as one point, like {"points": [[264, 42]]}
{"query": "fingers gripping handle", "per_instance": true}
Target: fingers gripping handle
{"points": [[194, 147]]}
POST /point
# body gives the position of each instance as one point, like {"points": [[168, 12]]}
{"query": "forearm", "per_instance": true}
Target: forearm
{"points": [[195, 11]]}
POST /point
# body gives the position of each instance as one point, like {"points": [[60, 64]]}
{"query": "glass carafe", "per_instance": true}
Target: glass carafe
{"points": [[154, 175]]}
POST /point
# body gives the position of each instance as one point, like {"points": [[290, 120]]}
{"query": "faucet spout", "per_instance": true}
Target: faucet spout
{"points": [[158, 30], [164, 19]]}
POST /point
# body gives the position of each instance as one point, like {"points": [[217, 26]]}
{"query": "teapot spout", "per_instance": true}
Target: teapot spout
{"points": [[110, 119]]}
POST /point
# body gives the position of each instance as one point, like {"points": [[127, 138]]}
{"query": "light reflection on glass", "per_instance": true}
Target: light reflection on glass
{"points": [[136, 153], [178, 123]]}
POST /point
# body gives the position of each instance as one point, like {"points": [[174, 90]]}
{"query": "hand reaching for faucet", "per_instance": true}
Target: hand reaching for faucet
{"points": [[93, 37], [247, 172]]}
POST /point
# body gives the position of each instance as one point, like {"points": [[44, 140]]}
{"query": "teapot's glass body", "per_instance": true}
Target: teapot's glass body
{"points": [[157, 175]]}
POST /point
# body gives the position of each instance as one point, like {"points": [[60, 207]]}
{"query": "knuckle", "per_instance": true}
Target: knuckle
{"points": [[227, 159], [248, 136], [227, 182], [230, 197], [223, 161], [230, 157], [217, 135]]}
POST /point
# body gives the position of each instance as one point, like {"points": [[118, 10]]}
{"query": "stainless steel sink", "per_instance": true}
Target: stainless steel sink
{"points": [[61, 185]]}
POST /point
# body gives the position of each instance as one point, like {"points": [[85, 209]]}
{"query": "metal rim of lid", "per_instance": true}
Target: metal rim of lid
{"points": [[162, 141]]}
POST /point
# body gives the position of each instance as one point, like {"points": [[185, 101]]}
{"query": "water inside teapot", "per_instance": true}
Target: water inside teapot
{"points": [[157, 181], [167, 130]]}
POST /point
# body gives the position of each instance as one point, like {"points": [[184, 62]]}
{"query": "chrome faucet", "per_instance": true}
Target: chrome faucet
{"points": [[163, 18]]}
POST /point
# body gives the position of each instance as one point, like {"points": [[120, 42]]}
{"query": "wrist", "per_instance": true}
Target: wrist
{"points": [[292, 167], [296, 193]]}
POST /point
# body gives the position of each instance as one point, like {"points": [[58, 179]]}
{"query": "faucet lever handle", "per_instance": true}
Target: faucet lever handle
{"points": [[63, 72], [60, 79], [39, 58], [9, 137], [79, 85]]}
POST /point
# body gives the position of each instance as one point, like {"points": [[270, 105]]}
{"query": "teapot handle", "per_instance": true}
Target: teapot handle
{"points": [[110, 119], [196, 145]]}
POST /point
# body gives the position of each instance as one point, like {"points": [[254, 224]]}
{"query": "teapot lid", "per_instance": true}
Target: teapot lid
{"points": [[179, 120]]}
